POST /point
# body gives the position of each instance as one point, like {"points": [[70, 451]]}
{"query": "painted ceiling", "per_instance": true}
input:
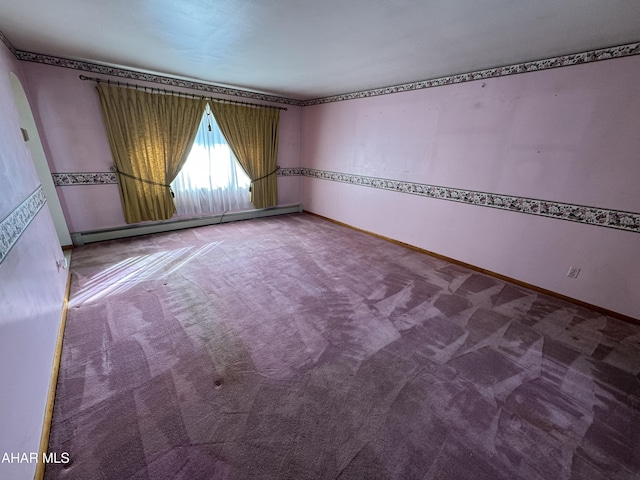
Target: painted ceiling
{"points": [[307, 49]]}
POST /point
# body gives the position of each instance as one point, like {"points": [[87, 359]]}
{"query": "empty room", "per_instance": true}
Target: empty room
{"points": [[305, 240]]}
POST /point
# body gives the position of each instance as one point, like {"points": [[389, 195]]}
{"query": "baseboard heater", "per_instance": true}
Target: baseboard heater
{"points": [[81, 238]]}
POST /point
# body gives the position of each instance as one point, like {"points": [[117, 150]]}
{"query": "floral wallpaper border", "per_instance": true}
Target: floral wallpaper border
{"points": [[16, 222], [108, 178], [7, 43], [149, 77], [545, 64], [588, 56], [602, 217], [289, 172], [87, 178]]}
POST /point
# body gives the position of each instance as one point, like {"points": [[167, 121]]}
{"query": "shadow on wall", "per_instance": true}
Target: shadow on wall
{"points": [[32, 140]]}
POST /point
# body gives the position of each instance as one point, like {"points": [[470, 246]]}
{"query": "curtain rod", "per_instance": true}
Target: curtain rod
{"points": [[163, 90]]}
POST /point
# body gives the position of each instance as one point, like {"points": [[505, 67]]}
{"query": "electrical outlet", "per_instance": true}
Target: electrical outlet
{"points": [[573, 272]]}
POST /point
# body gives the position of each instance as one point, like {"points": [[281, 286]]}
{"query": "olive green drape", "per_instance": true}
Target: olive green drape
{"points": [[252, 135], [150, 136]]}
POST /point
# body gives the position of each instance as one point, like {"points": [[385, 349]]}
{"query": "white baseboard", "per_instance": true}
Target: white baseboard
{"points": [[81, 238]]}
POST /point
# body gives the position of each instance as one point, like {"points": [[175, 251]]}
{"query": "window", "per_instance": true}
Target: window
{"points": [[211, 180]]}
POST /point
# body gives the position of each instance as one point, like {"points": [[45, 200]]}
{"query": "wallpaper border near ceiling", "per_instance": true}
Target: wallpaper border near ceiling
{"points": [[8, 44], [16, 222], [601, 217], [150, 77], [534, 66], [588, 56]]}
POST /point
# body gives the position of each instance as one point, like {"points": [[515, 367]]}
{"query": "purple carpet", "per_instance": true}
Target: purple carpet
{"points": [[294, 348]]}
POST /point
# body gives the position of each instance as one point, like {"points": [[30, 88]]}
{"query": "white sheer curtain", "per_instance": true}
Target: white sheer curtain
{"points": [[211, 180]]}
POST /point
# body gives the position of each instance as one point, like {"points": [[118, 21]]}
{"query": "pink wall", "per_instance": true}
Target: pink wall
{"points": [[31, 293], [67, 110], [566, 135]]}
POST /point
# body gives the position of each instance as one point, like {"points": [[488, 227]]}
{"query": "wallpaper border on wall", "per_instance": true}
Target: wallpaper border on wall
{"points": [[289, 172], [149, 77], [8, 44], [109, 178], [534, 66], [16, 222], [588, 56], [601, 217], [84, 178]]}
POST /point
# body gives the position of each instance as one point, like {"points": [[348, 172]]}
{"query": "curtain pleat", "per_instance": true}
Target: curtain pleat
{"points": [[252, 134], [150, 136]]}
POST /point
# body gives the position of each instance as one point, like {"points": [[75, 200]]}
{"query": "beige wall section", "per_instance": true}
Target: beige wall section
{"points": [[34, 145]]}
